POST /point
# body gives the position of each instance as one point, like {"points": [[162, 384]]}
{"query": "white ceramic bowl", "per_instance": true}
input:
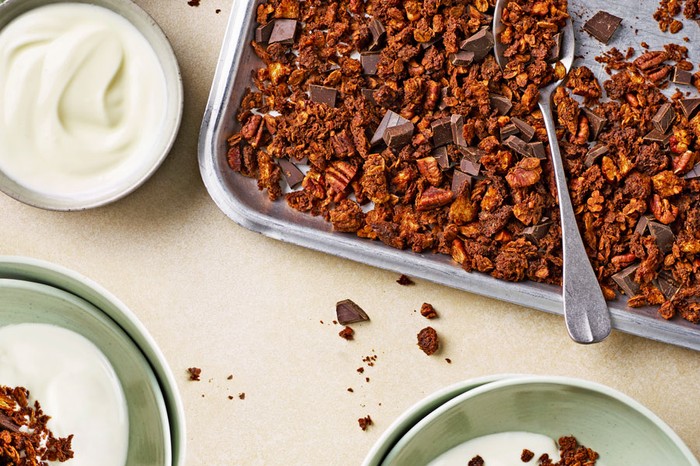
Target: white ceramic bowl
{"points": [[125, 183], [620, 429]]}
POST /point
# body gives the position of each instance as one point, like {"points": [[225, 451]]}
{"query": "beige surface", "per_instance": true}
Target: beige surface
{"points": [[217, 296]]}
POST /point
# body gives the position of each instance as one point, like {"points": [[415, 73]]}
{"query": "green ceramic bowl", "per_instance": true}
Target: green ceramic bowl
{"points": [[39, 271], [149, 429], [620, 429]]}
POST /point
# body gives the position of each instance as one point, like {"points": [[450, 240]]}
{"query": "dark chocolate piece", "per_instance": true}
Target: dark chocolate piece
{"points": [[369, 63], [682, 76], [472, 153], [7, 423], [643, 223], [444, 93], [535, 233], [509, 130], [602, 26], [657, 136], [595, 153], [518, 145], [347, 312], [555, 51], [690, 107], [501, 103], [368, 94], [284, 31], [459, 180], [667, 285], [291, 172], [480, 44], [443, 159], [694, 173], [376, 29], [462, 58], [398, 136], [537, 149], [625, 280], [664, 117], [527, 132], [596, 123], [442, 131], [457, 126], [663, 235], [390, 119], [323, 95], [262, 33], [470, 167]]}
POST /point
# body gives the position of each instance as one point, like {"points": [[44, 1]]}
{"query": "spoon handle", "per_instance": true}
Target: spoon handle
{"points": [[585, 310]]}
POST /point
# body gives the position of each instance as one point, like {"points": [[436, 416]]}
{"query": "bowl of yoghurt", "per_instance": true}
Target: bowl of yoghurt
{"points": [[90, 101], [537, 420]]}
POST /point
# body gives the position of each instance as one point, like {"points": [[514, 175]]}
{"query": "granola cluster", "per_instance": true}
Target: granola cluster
{"points": [[669, 10], [25, 440]]}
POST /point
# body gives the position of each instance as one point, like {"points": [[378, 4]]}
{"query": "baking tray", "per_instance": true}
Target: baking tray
{"points": [[239, 198]]}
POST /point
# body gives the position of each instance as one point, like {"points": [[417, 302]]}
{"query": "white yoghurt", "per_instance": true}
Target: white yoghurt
{"points": [[502, 449], [82, 100], [76, 386]]}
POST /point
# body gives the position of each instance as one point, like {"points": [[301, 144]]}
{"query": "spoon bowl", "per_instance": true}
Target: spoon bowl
{"points": [[585, 310]]}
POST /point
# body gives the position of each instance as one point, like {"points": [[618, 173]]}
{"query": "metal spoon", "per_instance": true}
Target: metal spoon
{"points": [[585, 310]]}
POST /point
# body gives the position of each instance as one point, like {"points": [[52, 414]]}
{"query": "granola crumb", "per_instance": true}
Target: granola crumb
{"points": [[230, 377], [241, 396], [351, 390], [449, 361], [365, 422], [194, 3], [195, 373], [347, 333], [230, 397], [476, 461], [405, 281], [428, 340], [428, 311], [360, 370], [526, 455]]}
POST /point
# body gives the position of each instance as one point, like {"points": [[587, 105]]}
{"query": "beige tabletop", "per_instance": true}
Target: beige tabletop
{"points": [[232, 302]]}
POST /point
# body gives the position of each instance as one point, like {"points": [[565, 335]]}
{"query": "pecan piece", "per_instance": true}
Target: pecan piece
{"points": [[663, 210], [433, 198], [667, 184], [339, 175], [526, 173], [430, 169], [650, 59]]}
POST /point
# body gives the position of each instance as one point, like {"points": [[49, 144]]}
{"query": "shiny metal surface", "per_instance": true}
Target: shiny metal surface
{"points": [[239, 198]]}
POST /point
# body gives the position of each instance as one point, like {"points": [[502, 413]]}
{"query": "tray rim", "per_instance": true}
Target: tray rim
{"points": [[528, 294]]}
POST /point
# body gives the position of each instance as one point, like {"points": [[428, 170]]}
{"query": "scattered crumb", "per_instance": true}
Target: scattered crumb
{"points": [[449, 361], [360, 370], [195, 373], [193, 2], [335, 322], [476, 461], [428, 311], [230, 377], [202, 395], [217, 11], [230, 397], [365, 422], [366, 379], [321, 322], [405, 281], [241, 396], [351, 390], [347, 333], [526, 455], [428, 340]]}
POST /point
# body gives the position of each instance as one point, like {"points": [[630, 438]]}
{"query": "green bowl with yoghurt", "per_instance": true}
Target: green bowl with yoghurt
{"points": [[525, 411], [90, 101]]}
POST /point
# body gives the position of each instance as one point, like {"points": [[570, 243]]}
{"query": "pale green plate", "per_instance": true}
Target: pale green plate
{"points": [[620, 429], [149, 431]]}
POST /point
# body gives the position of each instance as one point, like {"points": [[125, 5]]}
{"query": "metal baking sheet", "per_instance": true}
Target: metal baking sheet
{"points": [[239, 198]]}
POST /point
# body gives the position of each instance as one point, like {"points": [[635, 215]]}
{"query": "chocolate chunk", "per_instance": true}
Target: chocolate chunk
{"points": [[664, 117], [462, 58], [690, 107], [643, 223], [596, 123], [369, 63], [368, 94], [442, 157], [323, 95], [284, 31], [457, 126], [667, 285], [509, 130], [595, 153], [262, 33], [682, 76], [663, 235], [376, 29], [442, 131], [347, 312], [480, 44], [657, 136], [291, 172], [390, 119], [459, 180], [694, 173], [555, 51], [518, 145], [470, 167], [535, 233], [527, 132], [472, 153], [501, 103], [7, 423], [537, 149], [625, 280], [602, 26], [398, 136]]}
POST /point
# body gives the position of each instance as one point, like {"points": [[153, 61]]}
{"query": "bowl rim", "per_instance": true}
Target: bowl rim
{"points": [[172, 118], [547, 380], [85, 307], [58, 276]]}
